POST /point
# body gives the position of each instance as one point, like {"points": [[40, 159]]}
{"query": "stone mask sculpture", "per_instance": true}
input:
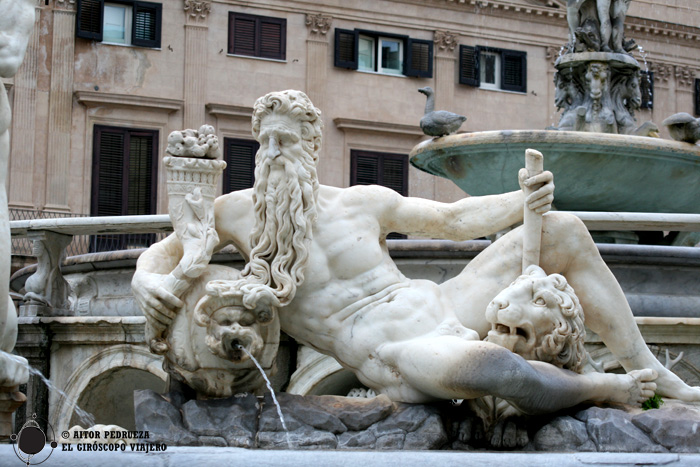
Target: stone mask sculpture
{"points": [[318, 258]]}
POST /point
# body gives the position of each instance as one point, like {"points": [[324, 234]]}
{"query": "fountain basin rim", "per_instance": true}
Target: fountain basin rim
{"points": [[549, 137], [615, 59]]}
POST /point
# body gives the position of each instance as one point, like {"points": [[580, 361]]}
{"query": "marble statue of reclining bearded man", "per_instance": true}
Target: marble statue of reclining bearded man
{"points": [[318, 255]]}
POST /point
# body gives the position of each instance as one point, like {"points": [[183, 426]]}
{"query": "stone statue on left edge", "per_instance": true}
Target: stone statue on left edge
{"points": [[16, 25]]}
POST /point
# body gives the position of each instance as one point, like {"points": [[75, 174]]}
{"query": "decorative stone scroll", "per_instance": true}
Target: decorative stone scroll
{"points": [[446, 41], [197, 10], [318, 24]]}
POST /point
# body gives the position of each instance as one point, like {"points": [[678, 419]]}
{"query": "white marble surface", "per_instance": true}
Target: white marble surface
{"points": [[413, 340], [16, 24]]}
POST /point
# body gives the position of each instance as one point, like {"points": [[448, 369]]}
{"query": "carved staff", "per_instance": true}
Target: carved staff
{"points": [[532, 236]]}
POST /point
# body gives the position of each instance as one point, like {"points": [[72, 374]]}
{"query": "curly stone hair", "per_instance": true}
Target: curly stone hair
{"points": [[564, 346]]}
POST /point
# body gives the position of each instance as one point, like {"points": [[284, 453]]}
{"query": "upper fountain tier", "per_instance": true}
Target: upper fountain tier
{"points": [[604, 172]]}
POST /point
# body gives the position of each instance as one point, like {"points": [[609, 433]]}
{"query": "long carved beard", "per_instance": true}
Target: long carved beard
{"points": [[285, 210]]}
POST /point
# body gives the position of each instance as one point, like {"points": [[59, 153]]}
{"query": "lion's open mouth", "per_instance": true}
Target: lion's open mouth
{"points": [[513, 338], [505, 329]]}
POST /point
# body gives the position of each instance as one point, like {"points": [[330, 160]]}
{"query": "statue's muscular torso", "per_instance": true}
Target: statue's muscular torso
{"points": [[350, 275]]}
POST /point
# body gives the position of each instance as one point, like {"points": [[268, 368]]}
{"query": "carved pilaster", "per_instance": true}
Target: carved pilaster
{"points": [[196, 30], [445, 62], [685, 76], [445, 43], [24, 123], [60, 105], [62, 4], [662, 71], [318, 25], [197, 11]]}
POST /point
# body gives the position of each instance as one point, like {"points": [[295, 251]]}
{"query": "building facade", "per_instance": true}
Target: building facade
{"points": [[105, 82]]}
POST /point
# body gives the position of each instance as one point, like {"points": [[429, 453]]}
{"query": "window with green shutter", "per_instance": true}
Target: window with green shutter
{"points": [[376, 168], [126, 22], [492, 68], [124, 180], [257, 36], [239, 155]]}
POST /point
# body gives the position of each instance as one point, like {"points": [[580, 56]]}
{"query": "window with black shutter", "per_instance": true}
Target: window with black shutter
{"points": [[124, 180], [492, 68], [239, 155], [384, 53], [126, 22], [646, 86], [257, 36], [697, 97], [376, 168]]}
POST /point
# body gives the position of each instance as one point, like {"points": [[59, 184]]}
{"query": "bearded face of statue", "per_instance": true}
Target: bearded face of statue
{"points": [[285, 208], [16, 24]]}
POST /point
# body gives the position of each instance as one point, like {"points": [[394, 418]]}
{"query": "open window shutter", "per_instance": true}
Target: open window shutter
{"points": [[419, 58], [646, 86], [273, 33], [240, 164], [395, 174], [145, 31], [108, 190], [514, 71], [88, 24], [697, 97], [365, 169], [346, 48], [141, 194], [242, 35], [469, 65]]}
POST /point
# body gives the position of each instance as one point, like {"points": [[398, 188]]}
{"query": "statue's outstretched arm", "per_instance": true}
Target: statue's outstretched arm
{"points": [[466, 219]]}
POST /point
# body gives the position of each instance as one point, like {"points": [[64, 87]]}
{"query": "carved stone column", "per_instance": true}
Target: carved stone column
{"points": [[21, 172], [445, 61], [195, 87], [316, 57], [60, 105]]}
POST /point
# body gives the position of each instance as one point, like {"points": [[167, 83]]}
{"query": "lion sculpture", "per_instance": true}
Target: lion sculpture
{"points": [[539, 317]]}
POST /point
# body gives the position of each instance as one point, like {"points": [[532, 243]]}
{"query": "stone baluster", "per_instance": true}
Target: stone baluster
{"points": [[47, 291]]}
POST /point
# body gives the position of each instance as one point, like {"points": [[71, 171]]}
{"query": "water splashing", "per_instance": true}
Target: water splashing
{"points": [[647, 75], [84, 416], [272, 393], [643, 54]]}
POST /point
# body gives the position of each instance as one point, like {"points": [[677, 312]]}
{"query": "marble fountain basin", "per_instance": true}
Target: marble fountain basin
{"points": [[592, 171]]}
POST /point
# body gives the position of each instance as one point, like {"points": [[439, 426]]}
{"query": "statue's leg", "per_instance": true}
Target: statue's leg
{"points": [[447, 367], [605, 26], [567, 249]]}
